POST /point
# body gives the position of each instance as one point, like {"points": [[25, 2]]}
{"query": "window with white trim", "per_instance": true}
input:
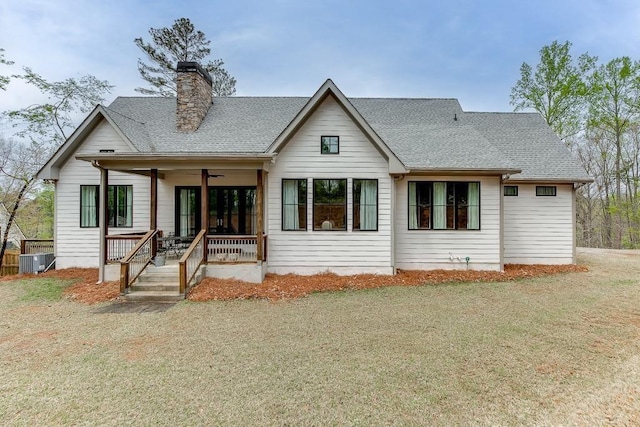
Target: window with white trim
{"points": [[119, 202]]}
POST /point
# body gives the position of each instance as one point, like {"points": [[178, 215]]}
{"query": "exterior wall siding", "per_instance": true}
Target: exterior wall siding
{"points": [[76, 246], [342, 252], [539, 229], [433, 249]]}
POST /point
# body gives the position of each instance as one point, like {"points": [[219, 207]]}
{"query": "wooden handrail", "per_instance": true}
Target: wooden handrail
{"points": [[185, 275], [148, 235], [125, 279]]}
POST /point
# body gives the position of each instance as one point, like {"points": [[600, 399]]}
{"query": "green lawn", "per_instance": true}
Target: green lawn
{"points": [[560, 350]]}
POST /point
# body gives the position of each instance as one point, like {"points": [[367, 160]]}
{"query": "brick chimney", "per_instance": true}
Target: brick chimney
{"points": [[193, 96]]}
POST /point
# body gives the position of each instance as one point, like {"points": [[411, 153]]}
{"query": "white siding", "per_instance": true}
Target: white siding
{"points": [[539, 229], [433, 249], [79, 247], [342, 252]]}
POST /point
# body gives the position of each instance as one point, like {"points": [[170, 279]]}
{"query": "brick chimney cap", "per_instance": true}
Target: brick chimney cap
{"points": [[193, 67]]}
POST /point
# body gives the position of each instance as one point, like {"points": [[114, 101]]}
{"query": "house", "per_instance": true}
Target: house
{"points": [[15, 233], [308, 185]]}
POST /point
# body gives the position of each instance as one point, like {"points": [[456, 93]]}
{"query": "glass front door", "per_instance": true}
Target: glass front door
{"points": [[232, 210]]}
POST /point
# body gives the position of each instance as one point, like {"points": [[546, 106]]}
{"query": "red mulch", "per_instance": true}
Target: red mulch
{"points": [[277, 287], [85, 289]]}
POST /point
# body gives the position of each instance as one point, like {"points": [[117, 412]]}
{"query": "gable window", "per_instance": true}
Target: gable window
{"points": [[444, 205], [329, 204], [120, 203], [545, 190], [365, 204], [329, 144], [510, 190], [294, 204], [89, 205]]}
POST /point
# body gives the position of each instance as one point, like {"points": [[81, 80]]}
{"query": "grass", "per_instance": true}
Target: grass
{"points": [[554, 350], [45, 289]]}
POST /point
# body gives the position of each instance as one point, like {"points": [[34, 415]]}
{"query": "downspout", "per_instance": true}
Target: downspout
{"points": [[101, 220], [502, 217], [394, 181]]}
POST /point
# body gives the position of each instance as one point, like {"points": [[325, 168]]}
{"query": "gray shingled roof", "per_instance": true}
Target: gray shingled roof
{"points": [[421, 132]]}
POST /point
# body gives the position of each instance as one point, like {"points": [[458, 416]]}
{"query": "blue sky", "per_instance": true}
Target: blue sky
{"points": [[463, 49]]}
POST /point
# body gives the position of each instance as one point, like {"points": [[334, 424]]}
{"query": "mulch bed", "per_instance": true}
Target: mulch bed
{"points": [[279, 287]]}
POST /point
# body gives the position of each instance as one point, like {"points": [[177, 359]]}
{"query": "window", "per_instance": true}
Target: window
{"points": [[89, 205], [329, 144], [120, 203], [365, 204], [120, 199], [294, 204], [444, 205], [510, 190], [329, 204], [545, 190]]}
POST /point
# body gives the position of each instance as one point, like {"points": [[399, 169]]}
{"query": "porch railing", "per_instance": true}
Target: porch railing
{"points": [[136, 260], [191, 261], [36, 246], [230, 249], [119, 245]]}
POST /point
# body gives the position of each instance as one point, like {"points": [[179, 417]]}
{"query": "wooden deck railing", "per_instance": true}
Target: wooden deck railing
{"points": [[136, 260], [191, 261], [119, 245], [228, 249], [36, 246]]}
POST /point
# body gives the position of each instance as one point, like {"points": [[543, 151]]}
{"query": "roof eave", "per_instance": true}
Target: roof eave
{"points": [[463, 171]]}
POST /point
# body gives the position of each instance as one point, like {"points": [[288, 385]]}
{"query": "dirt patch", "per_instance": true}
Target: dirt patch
{"points": [[277, 287]]}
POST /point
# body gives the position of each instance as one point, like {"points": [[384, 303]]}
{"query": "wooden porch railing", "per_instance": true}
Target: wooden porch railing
{"points": [[228, 249], [119, 245], [191, 261], [136, 260], [36, 246]]}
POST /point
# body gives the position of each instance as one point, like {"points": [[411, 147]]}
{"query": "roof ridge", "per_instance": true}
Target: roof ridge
{"points": [[111, 110]]}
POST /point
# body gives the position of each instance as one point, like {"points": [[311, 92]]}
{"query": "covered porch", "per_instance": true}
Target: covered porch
{"points": [[205, 213]]}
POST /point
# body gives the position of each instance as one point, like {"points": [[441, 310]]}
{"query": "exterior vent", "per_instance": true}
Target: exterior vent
{"points": [[36, 263]]}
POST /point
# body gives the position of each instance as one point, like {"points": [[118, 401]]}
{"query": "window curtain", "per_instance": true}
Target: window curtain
{"points": [[128, 217], [368, 204], [473, 214], [440, 205], [185, 205], [254, 214], [290, 205], [88, 199], [413, 207]]}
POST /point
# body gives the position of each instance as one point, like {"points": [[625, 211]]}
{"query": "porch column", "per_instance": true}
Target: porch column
{"points": [[103, 221], [153, 217], [204, 207], [259, 216]]}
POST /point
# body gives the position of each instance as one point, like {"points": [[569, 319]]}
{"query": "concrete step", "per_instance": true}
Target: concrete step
{"points": [[171, 286], [157, 277], [155, 296]]}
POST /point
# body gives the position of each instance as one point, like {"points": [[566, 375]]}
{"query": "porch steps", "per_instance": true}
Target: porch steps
{"points": [[156, 284]]}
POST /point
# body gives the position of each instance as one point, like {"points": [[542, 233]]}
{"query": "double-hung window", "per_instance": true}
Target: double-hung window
{"points": [[89, 202], [119, 202], [294, 204], [365, 204], [444, 205], [329, 204]]}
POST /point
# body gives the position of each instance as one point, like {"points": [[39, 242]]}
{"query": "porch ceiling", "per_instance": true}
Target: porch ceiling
{"points": [[182, 161]]}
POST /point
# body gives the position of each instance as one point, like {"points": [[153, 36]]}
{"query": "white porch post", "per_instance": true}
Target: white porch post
{"points": [[102, 222]]}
